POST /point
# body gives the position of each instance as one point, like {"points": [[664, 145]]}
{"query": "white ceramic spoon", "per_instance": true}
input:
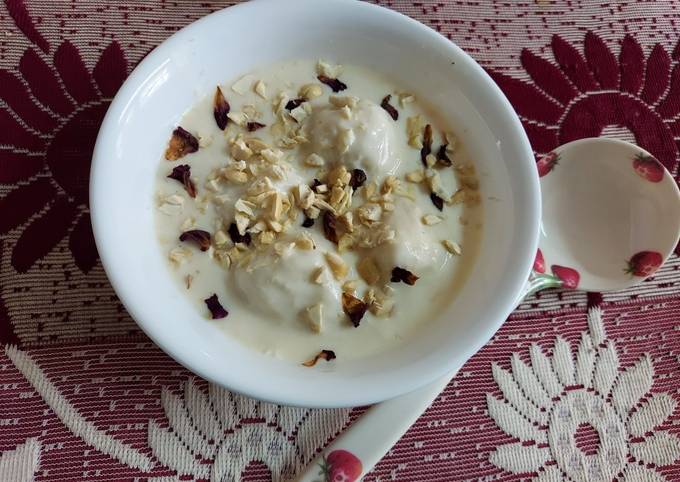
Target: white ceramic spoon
{"points": [[611, 217]]}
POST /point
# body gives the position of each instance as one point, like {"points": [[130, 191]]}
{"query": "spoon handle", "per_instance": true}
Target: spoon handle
{"points": [[539, 282], [379, 429], [370, 438]]}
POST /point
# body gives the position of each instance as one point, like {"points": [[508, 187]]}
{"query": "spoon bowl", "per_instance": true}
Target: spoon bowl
{"points": [[611, 214]]}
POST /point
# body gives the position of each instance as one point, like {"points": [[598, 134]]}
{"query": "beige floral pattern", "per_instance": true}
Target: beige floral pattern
{"points": [[215, 435], [547, 401]]}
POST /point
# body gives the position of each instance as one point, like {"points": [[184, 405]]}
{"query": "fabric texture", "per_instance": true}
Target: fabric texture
{"points": [[575, 386]]}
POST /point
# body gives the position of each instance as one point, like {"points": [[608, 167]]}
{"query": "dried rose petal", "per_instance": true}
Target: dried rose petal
{"points": [[315, 183], [182, 174], [198, 236], [437, 201], [354, 308], [237, 237], [427, 144], [307, 223], [327, 355], [334, 84], [358, 179], [216, 309], [294, 103], [401, 274], [442, 157], [221, 109], [253, 126], [181, 143], [385, 104], [330, 227]]}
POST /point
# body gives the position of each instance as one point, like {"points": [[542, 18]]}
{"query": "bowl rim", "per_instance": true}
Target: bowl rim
{"points": [[506, 302]]}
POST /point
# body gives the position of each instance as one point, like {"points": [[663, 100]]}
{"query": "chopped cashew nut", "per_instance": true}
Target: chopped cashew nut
{"points": [[337, 265], [452, 247]]}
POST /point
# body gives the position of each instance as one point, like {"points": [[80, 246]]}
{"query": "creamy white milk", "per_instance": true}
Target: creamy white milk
{"points": [[267, 302]]}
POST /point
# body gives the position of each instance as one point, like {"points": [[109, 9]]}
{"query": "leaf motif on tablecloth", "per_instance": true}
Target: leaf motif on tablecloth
{"points": [[606, 370], [585, 360], [652, 413], [513, 394], [70, 416], [661, 448], [21, 463], [541, 365], [637, 473], [562, 362], [620, 410], [512, 422], [528, 382], [520, 459], [631, 385], [215, 434], [183, 424], [170, 451]]}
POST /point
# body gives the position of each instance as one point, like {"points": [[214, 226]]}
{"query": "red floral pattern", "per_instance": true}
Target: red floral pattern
{"points": [[49, 126], [580, 94]]}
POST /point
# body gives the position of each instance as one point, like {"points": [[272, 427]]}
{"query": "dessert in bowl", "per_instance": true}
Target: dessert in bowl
{"points": [[326, 215]]}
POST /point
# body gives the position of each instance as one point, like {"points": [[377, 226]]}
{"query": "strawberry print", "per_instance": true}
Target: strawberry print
{"points": [[547, 163], [568, 276], [539, 262], [648, 168], [644, 263], [341, 466]]}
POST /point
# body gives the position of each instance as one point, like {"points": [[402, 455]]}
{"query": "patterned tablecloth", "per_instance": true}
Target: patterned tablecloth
{"points": [[558, 394]]}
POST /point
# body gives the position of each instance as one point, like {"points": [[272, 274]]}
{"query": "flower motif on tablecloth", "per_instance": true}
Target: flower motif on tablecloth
{"points": [[582, 95], [51, 112], [216, 435], [579, 417]]}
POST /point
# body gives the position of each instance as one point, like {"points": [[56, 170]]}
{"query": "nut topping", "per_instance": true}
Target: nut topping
{"points": [[452, 247], [256, 176], [432, 219], [315, 317], [368, 270], [310, 91], [337, 265], [260, 89]]}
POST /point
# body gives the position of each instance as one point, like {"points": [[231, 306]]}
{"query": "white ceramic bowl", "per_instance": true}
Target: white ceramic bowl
{"points": [[233, 41]]}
